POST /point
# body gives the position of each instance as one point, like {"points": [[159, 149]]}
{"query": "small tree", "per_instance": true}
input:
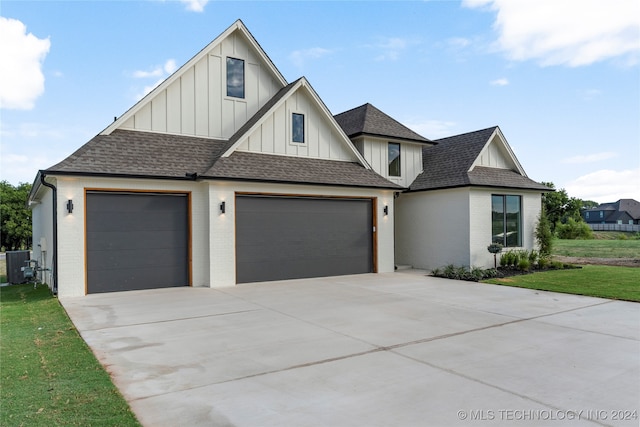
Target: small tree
{"points": [[543, 234]]}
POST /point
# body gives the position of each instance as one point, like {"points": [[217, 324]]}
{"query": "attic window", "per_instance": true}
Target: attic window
{"points": [[394, 159], [235, 77], [297, 128]]}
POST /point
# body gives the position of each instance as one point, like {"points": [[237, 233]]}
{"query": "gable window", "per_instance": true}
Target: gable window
{"points": [[506, 221], [297, 128], [601, 214], [586, 215], [235, 77], [394, 159]]}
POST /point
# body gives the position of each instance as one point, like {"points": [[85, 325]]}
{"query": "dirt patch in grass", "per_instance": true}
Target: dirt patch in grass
{"points": [[616, 262]]}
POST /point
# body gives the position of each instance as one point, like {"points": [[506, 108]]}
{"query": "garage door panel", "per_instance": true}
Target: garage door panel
{"points": [[144, 240], [284, 238], [136, 241]]}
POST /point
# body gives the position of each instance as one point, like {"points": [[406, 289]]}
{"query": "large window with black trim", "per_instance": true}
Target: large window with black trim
{"points": [[506, 220], [235, 77]]}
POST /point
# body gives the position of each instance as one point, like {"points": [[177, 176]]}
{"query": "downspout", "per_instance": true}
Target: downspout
{"points": [[54, 258]]}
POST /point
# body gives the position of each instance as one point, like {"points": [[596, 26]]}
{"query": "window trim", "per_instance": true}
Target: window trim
{"points": [[505, 223], [399, 158], [304, 128], [244, 75]]}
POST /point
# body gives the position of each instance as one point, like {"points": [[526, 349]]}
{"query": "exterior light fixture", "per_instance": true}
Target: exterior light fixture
{"points": [[222, 207], [386, 210], [70, 206]]}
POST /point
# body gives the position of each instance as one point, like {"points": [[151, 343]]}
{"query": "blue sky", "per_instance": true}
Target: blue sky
{"points": [[560, 77]]}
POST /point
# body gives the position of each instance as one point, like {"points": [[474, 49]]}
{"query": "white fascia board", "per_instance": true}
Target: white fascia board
{"points": [[238, 25], [503, 141], [335, 124]]}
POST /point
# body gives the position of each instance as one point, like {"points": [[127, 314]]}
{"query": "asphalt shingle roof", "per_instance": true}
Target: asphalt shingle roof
{"points": [[448, 164], [135, 153], [367, 119], [303, 170], [155, 155]]}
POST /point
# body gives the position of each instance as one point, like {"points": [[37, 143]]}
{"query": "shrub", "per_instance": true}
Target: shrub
{"points": [[544, 234], [524, 264], [543, 262], [574, 230], [533, 257]]}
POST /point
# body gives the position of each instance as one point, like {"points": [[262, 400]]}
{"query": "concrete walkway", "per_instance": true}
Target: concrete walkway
{"points": [[398, 349]]}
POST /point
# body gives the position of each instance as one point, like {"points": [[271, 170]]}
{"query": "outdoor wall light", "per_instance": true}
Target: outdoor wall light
{"points": [[222, 207], [386, 210], [70, 206]]}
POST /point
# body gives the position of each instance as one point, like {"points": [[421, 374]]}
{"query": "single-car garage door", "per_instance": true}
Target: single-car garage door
{"points": [[136, 241], [281, 238]]}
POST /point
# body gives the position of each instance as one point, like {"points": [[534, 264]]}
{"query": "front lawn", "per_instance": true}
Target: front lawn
{"points": [[597, 248], [48, 375], [621, 283]]}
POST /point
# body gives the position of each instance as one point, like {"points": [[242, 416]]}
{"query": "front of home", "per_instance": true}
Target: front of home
{"points": [[226, 173]]}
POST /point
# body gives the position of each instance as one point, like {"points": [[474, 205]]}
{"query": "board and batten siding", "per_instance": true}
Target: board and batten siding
{"points": [[375, 151], [273, 134], [196, 102], [495, 155]]}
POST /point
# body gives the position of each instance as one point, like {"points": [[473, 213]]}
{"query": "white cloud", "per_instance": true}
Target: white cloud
{"points": [[458, 42], [499, 82], [432, 129], [566, 32], [160, 72], [299, 57], [195, 5], [391, 48], [21, 56], [590, 158], [606, 185]]}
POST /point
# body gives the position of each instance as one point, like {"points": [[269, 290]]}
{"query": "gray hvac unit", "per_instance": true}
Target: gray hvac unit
{"points": [[16, 261]]}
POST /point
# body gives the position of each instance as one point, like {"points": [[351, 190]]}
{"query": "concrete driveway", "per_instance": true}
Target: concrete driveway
{"points": [[398, 349]]}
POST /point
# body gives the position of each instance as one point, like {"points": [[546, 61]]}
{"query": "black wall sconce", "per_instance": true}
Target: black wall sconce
{"points": [[70, 206], [223, 207], [386, 210]]}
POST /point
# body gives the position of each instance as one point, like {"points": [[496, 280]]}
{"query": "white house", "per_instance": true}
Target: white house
{"points": [[226, 173]]}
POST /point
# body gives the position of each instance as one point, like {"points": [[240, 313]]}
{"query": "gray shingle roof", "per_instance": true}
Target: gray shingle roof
{"points": [[367, 119], [135, 153], [447, 165], [155, 155], [275, 168]]}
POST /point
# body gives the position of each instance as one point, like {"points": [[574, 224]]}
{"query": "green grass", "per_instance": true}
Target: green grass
{"points": [[621, 283], [48, 375], [597, 248]]}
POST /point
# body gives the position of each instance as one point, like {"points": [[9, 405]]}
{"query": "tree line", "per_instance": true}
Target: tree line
{"points": [[15, 217]]}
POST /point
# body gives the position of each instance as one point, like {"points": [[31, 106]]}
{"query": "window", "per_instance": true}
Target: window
{"points": [[235, 77], [601, 214], [586, 214], [297, 128], [506, 220], [394, 159]]}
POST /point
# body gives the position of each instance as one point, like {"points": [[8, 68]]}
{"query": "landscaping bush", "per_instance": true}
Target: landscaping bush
{"points": [[524, 264], [573, 229], [474, 274], [544, 234]]}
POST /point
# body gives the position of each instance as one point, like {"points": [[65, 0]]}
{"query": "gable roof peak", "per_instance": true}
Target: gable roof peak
{"points": [[369, 120]]}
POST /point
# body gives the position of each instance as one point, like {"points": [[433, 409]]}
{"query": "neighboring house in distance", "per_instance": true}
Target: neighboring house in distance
{"points": [[226, 173], [624, 211]]}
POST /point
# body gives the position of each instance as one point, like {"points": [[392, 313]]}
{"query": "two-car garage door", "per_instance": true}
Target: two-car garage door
{"points": [[281, 238]]}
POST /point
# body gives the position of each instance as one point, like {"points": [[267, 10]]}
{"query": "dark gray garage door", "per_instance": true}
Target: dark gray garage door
{"points": [[136, 241], [290, 238]]}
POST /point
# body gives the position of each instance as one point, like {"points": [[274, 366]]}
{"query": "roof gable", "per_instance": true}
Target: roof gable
{"points": [[368, 120], [268, 131], [193, 101], [454, 162]]}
